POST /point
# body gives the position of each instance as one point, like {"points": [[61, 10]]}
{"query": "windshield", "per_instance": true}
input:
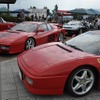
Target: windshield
{"points": [[88, 42], [25, 27], [73, 23]]}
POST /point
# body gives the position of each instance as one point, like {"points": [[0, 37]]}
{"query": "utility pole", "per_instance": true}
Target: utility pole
{"points": [[8, 9], [7, 2]]}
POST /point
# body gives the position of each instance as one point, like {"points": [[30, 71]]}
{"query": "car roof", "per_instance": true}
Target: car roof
{"points": [[94, 32], [33, 22]]}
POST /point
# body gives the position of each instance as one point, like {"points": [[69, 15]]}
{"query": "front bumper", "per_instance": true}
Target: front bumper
{"points": [[4, 48], [48, 85], [13, 48]]}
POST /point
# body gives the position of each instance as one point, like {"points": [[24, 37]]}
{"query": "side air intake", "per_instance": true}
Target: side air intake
{"points": [[63, 48]]}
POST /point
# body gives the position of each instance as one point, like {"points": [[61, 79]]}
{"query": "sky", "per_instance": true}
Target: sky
{"points": [[62, 4]]}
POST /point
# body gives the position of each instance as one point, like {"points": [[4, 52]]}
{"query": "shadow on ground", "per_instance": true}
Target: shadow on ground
{"points": [[4, 57]]}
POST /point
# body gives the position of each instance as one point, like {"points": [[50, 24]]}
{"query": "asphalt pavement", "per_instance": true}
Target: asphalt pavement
{"points": [[11, 87]]}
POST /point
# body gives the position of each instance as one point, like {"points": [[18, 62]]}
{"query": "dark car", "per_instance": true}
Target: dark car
{"points": [[76, 27]]}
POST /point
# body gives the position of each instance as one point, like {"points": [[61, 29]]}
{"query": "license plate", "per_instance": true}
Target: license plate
{"points": [[20, 74]]}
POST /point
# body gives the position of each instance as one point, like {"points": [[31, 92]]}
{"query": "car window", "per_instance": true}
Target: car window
{"points": [[87, 42], [25, 27], [49, 27], [43, 27]]}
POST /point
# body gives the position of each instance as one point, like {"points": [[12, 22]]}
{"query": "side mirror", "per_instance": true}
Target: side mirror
{"points": [[40, 30]]}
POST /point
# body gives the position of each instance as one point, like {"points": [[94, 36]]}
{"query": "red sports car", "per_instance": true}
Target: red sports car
{"points": [[5, 25], [55, 67], [26, 35]]}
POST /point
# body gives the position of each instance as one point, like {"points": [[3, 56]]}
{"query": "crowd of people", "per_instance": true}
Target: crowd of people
{"points": [[21, 17], [94, 23]]}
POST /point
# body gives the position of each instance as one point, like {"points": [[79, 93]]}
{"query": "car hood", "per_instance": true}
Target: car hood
{"points": [[40, 60], [7, 37], [70, 26]]}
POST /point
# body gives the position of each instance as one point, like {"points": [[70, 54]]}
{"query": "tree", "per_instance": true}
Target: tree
{"points": [[56, 8], [34, 7], [55, 12], [48, 12]]}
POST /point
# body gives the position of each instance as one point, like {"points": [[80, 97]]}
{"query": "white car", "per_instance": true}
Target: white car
{"points": [[76, 27]]}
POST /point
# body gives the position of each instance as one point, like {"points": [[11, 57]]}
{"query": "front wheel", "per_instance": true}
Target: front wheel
{"points": [[29, 43], [81, 81], [61, 38], [80, 31]]}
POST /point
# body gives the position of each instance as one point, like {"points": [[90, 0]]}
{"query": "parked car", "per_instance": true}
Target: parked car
{"points": [[67, 18], [52, 68], [76, 27], [5, 25], [26, 35]]}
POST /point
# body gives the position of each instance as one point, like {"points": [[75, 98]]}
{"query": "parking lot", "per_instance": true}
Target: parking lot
{"points": [[11, 87]]}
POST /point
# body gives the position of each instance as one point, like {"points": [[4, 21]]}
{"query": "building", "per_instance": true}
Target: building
{"points": [[38, 12]]}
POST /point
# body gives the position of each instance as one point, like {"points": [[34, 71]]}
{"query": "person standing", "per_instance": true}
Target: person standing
{"points": [[32, 17], [21, 16], [96, 24], [60, 19]]}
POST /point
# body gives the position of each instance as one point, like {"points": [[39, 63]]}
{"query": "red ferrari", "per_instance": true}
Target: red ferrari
{"points": [[26, 35], [5, 25], [55, 67]]}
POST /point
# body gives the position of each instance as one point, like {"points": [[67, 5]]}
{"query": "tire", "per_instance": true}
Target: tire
{"points": [[80, 31], [61, 38], [81, 81], [30, 43]]}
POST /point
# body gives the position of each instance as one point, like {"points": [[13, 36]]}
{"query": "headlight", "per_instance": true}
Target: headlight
{"points": [[29, 80], [4, 47]]}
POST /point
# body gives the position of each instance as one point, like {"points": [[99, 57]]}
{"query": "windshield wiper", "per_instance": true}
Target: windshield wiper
{"points": [[75, 47]]}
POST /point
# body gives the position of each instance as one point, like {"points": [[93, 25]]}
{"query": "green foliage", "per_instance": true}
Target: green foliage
{"points": [[8, 18]]}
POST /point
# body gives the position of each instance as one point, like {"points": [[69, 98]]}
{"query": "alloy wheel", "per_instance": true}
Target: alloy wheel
{"points": [[30, 43]]}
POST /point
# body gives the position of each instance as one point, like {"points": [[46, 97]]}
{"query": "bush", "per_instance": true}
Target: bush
{"points": [[12, 19], [8, 18]]}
